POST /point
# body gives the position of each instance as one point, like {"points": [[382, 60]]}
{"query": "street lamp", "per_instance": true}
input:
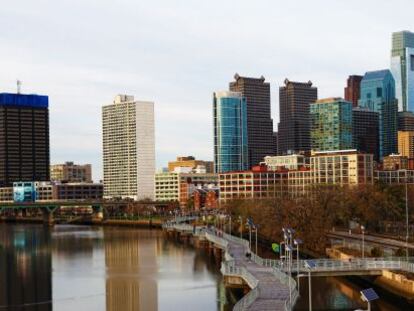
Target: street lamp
{"points": [[310, 264], [406, 215], [297, 242], [363, 242], [241, 227]]}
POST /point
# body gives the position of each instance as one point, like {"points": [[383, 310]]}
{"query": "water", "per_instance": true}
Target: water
{"points": [[95, 268]]}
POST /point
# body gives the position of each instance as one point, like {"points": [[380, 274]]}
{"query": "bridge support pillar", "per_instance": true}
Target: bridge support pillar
{"points": [[97, 212], [48, 219]]}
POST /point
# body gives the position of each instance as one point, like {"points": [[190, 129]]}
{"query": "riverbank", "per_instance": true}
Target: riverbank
{"points": [[144, 223]]}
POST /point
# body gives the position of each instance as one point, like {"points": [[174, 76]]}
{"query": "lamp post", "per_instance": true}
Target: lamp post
{"points": [[297, 242], [406, 215], [363, 242], [241, 227], [250, 237], [230, 225], [256, 228]]}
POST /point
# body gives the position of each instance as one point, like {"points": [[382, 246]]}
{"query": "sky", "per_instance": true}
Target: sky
{"points": [[177, 53]]}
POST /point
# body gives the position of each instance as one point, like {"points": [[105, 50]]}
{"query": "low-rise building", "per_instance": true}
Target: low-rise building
{"points": [[290, 162], [394, 177], [342, 167], [259, 182], [180, 185], [46, 192], [205, 198], [78, 191], [395, 162], [190, 162], [70, 172]]}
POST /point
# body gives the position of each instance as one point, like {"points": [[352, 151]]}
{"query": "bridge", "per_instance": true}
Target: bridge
{"points": [[272, 287], [48, 208]]}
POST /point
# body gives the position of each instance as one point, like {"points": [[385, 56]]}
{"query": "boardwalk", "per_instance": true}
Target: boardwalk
{"points": [[270, 288]]}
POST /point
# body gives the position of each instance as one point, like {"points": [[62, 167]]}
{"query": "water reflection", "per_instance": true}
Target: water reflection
{"points": [[25, 268], [131, 266], [94, 268]]}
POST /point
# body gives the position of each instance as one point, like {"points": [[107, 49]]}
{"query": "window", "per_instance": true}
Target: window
{"points": [[379, 92], [412, 62]]}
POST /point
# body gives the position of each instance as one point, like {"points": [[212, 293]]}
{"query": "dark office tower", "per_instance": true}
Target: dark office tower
{"points": [[275, 143], [294, 126], [259, 121], [365, 129], [352, 89], [24, 138], [405, 121]]}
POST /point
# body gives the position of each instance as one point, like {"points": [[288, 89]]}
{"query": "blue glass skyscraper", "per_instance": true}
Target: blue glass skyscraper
{"points": [[230, 132], [378, 94]]}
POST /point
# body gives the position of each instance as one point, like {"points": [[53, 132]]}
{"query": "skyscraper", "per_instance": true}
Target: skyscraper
{"points": [[365, 131], [230, 132], [402, 68], [405, 121], [294, 126], [24, 138], [406, 143], [259, 122], [331, 124], [352, 89], [128, 148], [378, 94]]}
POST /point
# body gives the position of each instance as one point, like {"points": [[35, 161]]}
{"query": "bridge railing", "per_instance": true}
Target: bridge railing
{"points": [[229, 268], [212, 237]]}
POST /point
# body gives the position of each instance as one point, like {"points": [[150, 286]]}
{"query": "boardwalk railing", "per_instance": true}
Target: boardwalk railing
{"points": [[229, 268]]}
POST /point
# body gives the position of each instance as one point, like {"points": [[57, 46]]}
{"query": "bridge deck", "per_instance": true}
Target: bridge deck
{"points": [[272, 294]]}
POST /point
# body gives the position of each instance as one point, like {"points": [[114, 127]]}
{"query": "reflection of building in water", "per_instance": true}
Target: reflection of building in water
{"points": [[131, 264], [25, 267]]}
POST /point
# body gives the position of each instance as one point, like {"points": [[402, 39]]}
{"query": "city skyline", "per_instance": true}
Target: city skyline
{"points": [[82, 66]]}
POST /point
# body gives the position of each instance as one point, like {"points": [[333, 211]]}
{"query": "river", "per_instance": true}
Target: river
{"points": [[95, 268]]}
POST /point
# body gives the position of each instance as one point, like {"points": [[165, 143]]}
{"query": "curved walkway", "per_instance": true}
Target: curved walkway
{"points": [[270, 287]]}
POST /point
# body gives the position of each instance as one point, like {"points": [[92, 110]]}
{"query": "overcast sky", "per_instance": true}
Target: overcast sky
{"points": [[176, 53]]}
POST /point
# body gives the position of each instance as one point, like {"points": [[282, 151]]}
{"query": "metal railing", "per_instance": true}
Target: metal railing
{"points": [[229, 268]]}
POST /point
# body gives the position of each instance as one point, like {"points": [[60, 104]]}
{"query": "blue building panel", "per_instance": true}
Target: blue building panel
{"points": [[24, 100], [24, 192]]}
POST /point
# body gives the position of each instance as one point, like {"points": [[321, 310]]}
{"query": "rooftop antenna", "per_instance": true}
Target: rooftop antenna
{"points": [[19, 86]]}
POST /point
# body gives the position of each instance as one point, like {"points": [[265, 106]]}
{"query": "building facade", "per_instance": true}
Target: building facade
{"points": [[230, 132], [78, 191], [24, 138], [352, 89], [378, 94], [406, 143], [192, 163], [259, 121], [180, 187], [331, 124], [395, 177], [128, 148], [294, 109], [405, 121], [289, 162], [395, 162], [256, 183], [365, 131], [402, 68], [70, 172], [344, 167]]}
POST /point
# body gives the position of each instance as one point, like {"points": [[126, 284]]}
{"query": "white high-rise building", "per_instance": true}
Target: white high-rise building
{"points": [[128, 148]]}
